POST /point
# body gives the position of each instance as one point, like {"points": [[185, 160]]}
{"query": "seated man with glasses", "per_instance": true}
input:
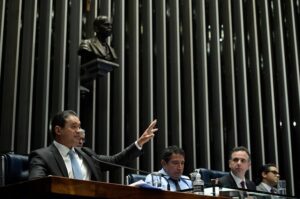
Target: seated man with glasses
{"points": [[268, 178]]}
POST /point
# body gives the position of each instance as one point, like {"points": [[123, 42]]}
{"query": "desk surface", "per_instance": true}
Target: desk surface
{"points": [[60, 186]]}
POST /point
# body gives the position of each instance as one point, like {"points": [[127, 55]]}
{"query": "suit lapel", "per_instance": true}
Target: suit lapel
{"points": [[232, 181], [90, 164], [250, 185], [59, 160], [100, 47]]}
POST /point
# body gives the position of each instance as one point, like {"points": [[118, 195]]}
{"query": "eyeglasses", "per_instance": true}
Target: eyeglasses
{"points": [[274, 172]]}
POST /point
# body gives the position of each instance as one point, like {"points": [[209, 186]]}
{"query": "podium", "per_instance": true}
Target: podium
{"points": [[60, 187]]}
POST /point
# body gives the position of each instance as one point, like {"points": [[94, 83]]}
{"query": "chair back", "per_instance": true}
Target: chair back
{"points": [[14, 168], [208, 175], [132, 177]]}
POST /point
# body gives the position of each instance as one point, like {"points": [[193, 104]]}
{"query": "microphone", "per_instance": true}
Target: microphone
{"points": [[93, 155]]}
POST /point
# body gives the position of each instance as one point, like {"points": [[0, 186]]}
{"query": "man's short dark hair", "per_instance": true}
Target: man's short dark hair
{"points": [[60, 119], [167, 153], [239, 148], [264, 169]]}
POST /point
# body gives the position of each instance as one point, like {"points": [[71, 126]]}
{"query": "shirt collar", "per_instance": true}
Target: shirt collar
{"points": [[237, 179], [63, 150], [166, 175]]}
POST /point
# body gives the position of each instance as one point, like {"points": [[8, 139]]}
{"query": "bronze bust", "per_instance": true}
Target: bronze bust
{"points": [[97, 46]]}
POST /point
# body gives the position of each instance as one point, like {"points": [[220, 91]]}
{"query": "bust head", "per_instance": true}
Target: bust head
{"points": [[97, 46], [103, 26]]}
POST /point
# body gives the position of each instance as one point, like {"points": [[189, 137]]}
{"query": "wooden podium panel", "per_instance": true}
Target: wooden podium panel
{"points": [[60, 187]]}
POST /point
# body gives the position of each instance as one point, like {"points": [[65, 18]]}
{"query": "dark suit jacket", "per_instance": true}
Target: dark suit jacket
{"points": [[48, 161], [228, 182]]}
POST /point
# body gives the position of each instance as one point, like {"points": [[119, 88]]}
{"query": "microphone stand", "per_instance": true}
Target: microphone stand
{"points": [[95, 157]]}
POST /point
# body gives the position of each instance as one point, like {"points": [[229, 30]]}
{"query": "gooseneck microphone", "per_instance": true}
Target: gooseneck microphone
{"points": [[93, 155]]}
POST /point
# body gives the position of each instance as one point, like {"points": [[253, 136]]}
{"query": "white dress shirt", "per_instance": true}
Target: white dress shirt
{"points": [[165, 182], [63, 150], [238, 181]]}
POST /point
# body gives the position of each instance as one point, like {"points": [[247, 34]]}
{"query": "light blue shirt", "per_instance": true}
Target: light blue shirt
{"points": [[165, 181]]}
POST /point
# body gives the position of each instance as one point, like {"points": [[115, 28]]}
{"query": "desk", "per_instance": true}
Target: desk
{"points": [[60, 187]]}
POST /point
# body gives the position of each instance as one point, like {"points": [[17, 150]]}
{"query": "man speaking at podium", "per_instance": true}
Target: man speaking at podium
{"points": [[64, 158]]}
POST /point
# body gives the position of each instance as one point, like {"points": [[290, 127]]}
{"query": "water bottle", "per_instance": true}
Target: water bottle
{"points": [[198, 185]]}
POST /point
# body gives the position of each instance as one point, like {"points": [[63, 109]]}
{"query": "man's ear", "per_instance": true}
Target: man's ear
{"points": [[264, 174], [163, 163], [249, 164], [57, 130]]}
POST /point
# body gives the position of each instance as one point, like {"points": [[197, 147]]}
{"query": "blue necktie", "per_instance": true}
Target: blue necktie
{"points": [[75, 166]]}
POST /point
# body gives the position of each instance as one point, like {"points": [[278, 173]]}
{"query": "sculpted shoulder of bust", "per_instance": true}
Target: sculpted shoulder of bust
{"points": [[97, 46]]}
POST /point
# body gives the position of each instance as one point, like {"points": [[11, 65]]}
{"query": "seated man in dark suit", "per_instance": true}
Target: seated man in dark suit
{"points": [[268, 178], [64, 158], [239, 164]]}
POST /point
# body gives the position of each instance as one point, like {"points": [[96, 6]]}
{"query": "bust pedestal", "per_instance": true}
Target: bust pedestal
{"points": [[96, 68]]}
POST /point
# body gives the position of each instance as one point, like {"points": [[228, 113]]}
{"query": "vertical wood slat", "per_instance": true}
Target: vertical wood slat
{"points": [[285, 141], [187, 74], [293, 81], [59, 60], [270, 130], [25, 96], [42, 73], [255, 101], [118, 86], [74, 36], [174, 75], [160, 66], [103, 96], [229, 80], [10, 75], [132, 102], [201, 88], [241, 74], [146, 77], [216, 105], [88, 102], [103, 90], [2, 16], [132, 55]]}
